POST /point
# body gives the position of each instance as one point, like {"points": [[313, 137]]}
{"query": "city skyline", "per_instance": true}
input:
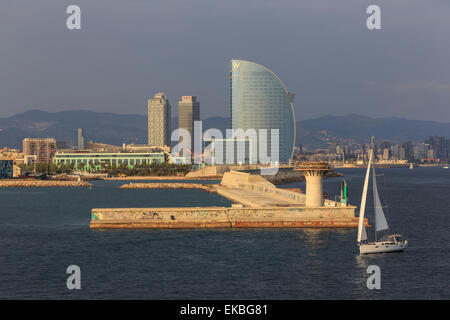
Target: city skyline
{"points": [[224, 159], [328, 57]]}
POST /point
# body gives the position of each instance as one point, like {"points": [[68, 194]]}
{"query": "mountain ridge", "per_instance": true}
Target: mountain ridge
{"points": [[112, 128]]}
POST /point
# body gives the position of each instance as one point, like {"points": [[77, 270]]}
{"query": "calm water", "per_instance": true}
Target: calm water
{"points": [[42, 231]]}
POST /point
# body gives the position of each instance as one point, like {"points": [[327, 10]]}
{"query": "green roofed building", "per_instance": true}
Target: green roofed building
{"points": [[96, 160]]}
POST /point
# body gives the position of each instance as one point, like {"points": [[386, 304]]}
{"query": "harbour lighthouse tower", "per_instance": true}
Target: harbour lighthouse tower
{"points": [[314, 172]]}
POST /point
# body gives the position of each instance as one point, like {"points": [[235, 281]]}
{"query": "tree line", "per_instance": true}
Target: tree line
{"points": [[154, 169]]}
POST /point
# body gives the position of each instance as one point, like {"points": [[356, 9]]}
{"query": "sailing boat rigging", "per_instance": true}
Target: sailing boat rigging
{"points": [[389, 243]]}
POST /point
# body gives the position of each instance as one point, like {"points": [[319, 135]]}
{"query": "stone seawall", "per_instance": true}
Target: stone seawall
{"points": [[204, 187], [41, 184], [222, 217]]}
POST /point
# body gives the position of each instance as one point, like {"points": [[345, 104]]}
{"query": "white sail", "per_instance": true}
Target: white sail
{"points": [[362, 235], [380, 219]]}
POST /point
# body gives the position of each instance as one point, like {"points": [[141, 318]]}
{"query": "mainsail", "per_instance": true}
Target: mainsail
{"points": [[362, 235], [380, 219]]}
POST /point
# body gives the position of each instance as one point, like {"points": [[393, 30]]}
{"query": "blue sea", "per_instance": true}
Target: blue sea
{"points": [[43, 231]]}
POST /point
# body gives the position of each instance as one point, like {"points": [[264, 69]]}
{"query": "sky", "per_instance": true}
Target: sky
{"points": [[126, 51]]}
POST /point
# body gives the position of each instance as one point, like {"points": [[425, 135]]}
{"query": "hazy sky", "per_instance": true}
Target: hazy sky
{"points": [[322, 50]]}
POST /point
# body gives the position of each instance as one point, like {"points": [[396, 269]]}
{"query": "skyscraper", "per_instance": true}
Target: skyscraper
{"points": [[188, 112], [80, 139], [159, 121], [259, 100]]}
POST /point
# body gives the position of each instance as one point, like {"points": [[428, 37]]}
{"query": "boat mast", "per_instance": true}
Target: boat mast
{"points": [[361, 229], [374, 186]]}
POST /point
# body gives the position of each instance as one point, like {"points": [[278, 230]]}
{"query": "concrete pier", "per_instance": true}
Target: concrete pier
{"points": [[28, 183], [220, 217], [257, 204]]}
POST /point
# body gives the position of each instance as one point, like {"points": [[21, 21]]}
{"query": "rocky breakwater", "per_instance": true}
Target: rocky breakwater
{"points": [[41, 184], [204, 187], [283, 177]]}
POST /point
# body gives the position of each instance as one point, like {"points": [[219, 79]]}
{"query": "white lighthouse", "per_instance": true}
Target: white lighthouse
{"points": [[313, 172]]}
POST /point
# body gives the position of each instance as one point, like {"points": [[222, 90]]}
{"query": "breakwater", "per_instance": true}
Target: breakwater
{"points": [[161, 178], [257, 204], [41, 184], [222, 217], [204, 187]]}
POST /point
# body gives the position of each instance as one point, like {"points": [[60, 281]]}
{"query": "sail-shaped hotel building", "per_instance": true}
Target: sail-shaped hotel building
{"points": [[259, 100]]}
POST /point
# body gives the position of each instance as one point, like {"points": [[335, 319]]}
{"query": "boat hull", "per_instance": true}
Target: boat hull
{"points": [[381, 247]]}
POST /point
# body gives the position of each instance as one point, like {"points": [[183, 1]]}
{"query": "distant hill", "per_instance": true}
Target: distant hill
{"points": [[358, 129], [116, 129], [106, 128], [100, 127]]}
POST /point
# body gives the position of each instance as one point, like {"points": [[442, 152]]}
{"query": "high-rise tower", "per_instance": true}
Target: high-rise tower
{"points": [[259, 100], [159, 121], [43, 148], [80, 139], [188, 112]]}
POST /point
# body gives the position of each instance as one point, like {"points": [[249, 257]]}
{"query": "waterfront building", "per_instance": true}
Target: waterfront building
{"points": [[401, 153], [179, 160], [226, 151], [159, 121], [61, 145], [188, 112], [417, 153], [407, 146], [16, 157], [10, 154], [43, 148], [6, 169], [142, 148], [259, 100], [439, 147], [80, 139], [97, 160], [386, 152], [29, 159]]}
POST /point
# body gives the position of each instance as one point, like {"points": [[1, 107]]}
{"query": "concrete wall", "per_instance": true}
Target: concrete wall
{"points": [[245, 181], [219, 170], [221, 217]]}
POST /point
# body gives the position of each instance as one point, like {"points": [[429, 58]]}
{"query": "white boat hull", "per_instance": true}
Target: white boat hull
{"points": [[382, 247]]}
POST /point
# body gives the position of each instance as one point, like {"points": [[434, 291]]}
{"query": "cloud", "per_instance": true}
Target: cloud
{"points": [[422, 87]]}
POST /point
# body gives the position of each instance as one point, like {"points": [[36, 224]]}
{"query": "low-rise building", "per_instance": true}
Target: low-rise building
{"points": [[98, 160], [6, 169]]}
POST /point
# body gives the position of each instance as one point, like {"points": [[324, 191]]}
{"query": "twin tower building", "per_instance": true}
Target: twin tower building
{"points": [[258, 100]]}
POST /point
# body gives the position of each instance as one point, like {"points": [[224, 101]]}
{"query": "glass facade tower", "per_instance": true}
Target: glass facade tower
{"points": [[259, 100]]}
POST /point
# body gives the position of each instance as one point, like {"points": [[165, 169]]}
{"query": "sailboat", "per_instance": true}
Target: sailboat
{"points": [[411, 166], [389, 243]]}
